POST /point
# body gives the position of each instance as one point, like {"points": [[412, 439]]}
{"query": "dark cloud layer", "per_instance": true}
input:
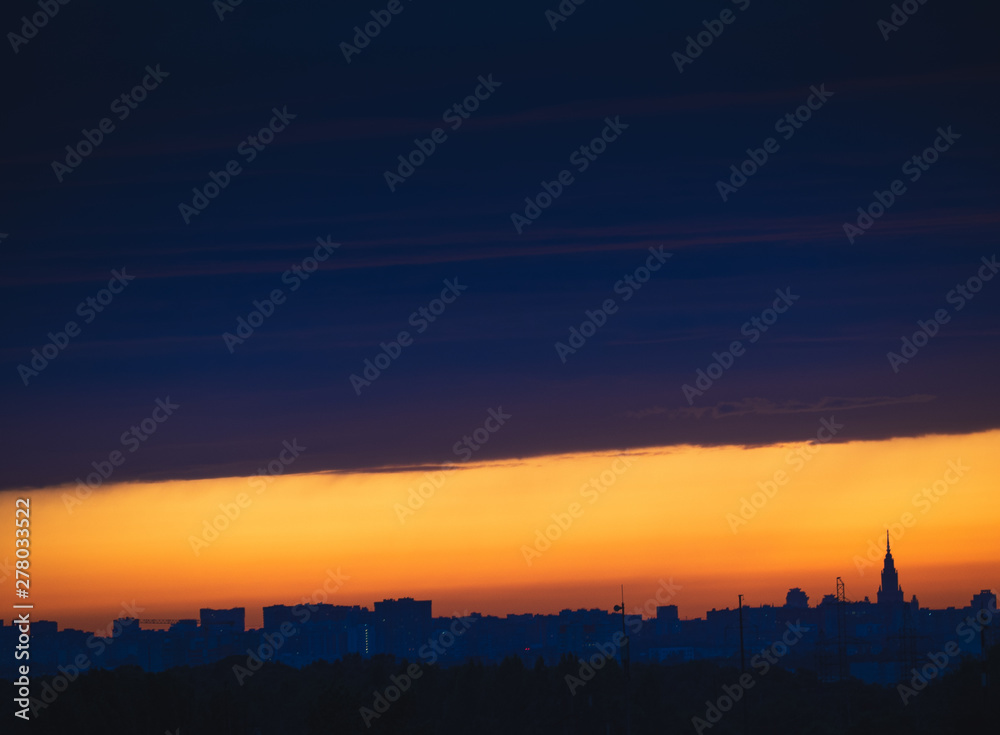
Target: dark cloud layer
{"points": [[495, 346]]}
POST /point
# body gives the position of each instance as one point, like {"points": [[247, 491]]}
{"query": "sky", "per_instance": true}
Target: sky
{"points": [[203, 295]]}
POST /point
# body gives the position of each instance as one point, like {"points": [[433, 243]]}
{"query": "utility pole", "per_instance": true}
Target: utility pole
{"points": [[982, 647], [625, 651], [841, 630], [843, 668], [625, 657], [743, 667], [743, 659]]}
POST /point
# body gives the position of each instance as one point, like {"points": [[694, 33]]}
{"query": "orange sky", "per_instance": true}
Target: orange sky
{"points": [[669, 514]]}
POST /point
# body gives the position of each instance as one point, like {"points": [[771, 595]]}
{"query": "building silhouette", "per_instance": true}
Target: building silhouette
{"points": [[880, 642]]}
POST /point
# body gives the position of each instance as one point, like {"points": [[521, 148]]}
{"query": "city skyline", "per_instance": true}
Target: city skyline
{"points": [[150, 620], [876, 642]]}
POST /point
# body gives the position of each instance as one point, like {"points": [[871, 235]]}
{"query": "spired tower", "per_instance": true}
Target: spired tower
{"points": [[889, 593]]}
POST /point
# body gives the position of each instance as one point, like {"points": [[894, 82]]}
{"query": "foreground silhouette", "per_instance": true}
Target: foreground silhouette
{"points": [[383, 695]]}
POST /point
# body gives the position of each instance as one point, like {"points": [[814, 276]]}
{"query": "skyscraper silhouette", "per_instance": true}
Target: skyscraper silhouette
{"points": [[889, 593]]}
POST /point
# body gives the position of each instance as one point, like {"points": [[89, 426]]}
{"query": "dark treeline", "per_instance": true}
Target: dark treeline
{"points": [[511, 697]]}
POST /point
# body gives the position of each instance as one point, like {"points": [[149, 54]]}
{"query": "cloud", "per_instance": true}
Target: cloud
{"points": [[764, 406]]}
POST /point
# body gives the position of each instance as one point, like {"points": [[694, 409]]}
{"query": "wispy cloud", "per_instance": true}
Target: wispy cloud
{"points": [[765, 406]]}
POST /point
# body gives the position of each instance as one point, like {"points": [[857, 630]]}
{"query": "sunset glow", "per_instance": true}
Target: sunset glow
{"points": [[673, 513]]}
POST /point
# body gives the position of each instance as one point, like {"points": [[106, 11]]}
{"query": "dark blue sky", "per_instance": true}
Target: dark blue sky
{"points": [[323, 174]]}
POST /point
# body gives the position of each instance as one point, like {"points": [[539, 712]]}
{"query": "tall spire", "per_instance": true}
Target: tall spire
{"points": [[889, 591]]}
